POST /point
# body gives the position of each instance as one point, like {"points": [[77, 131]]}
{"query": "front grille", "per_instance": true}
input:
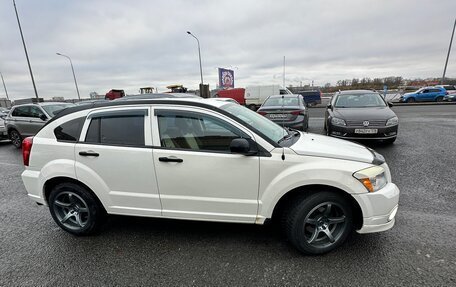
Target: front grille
{"points": [[372, 123]]}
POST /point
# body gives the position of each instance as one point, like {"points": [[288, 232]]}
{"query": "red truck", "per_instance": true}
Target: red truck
{"points": [[114, 94], [236, 94]]}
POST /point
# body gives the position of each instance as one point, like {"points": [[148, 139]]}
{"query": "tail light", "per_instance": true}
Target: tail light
{"points": [[297, 113], [26, 149], [262, 113]]}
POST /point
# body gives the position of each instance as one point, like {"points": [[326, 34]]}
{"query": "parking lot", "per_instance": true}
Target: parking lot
{"points": [[420, 249]]}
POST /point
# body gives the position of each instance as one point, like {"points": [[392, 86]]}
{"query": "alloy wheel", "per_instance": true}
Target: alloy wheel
{"points": [[71, 210], [15, 138], [324, 224]]}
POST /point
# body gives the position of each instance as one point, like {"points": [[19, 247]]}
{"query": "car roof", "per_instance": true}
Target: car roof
{"points": [[356, 92], [285, 96]]}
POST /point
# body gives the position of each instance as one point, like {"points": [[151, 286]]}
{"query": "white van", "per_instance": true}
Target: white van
{"points": [[256, 95]]}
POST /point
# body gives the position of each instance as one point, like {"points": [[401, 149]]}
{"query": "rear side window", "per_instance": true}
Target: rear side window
{"points": [[117, 130], [21, 112], [69, 131]]}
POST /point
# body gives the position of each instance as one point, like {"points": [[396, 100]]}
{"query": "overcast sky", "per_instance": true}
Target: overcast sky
{"points": [[132, 44]]}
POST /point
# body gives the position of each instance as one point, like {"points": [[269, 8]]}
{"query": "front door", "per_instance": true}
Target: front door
{"points": [[114, 153], [198, 176]]}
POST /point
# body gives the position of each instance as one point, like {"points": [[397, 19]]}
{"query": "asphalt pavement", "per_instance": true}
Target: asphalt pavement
{"points": [[419, 250]]}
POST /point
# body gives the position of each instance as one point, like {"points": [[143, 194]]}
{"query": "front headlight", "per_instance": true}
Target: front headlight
{"points": [[373, 178], [338, 122], [392, 122]]}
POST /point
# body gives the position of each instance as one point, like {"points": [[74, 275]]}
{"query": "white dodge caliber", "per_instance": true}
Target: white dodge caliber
{"points": [[205, 160]]}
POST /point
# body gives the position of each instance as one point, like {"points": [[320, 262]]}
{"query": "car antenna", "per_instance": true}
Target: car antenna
{"points": [[283, 129]]}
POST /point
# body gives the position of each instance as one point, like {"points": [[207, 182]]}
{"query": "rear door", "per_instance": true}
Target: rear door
{"points": [[114, 150]]}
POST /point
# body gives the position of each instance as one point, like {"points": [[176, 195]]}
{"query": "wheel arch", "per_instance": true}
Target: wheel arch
{"points": [[53, 182], [288, 197]]}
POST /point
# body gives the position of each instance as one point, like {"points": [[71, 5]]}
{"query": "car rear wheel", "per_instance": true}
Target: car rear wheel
{"points": [[439, 99], [16, 138], [318, 223], [252, 107], [410, 100], [75, 209]]}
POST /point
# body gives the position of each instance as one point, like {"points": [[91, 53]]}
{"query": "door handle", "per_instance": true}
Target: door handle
{"points": [[170, 159], [88, 153]]}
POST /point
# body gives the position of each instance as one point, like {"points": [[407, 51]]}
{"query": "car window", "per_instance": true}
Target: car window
{"points": [[359, 100], [117, 130], [286, 102], [23, 111], [70, 130], [195, 131], [35, 112], [450, 88], [435, 90], [52, 110], [426, 91]]}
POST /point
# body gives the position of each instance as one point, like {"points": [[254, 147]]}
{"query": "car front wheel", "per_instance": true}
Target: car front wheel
{"points": [[75, 209], [410, 100], [318, 223]]}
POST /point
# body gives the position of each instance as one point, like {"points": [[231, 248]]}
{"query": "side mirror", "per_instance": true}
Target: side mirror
{"points": [[390, 104], [43, 117], [241, 146], [329, 106]]}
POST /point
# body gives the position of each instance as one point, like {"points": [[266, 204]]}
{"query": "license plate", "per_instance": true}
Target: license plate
{"points": [[278, 116], [366, 131]]}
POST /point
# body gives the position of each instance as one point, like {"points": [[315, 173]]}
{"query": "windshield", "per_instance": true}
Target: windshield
{"points": [[270, 129], [52, 110], [359, 101], [286, 102]]}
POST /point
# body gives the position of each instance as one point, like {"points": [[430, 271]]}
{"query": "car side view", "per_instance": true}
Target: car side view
{"points": [[428, 94], [171, 158], [27, 119]]}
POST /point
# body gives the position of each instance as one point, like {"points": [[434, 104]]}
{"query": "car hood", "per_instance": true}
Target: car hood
{"points": [[325, 146], [361, 114]]}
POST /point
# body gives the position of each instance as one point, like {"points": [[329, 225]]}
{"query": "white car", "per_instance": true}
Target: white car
{"points": [[205, 160]]}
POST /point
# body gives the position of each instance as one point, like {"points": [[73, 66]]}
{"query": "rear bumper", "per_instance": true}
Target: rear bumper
{"points": [[379, 209], [298, 122], [32, 184], [348, 132]]}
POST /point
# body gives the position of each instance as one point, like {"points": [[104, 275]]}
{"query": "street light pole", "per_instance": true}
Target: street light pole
{"points": [[4, 86], [448, 55], [25, 49], [199, 54], [74, 76]]}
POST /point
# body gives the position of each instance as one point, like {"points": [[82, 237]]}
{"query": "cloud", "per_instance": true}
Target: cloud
{"points": [[120, 44]]}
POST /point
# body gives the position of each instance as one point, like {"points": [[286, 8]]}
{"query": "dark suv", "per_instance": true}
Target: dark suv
{"points": [[26, 120]]}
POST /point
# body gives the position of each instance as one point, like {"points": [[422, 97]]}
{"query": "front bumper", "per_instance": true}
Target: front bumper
{"points": [[379, 208], [348, 132]]}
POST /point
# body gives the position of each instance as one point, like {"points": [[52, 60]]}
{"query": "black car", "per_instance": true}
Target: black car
{"points": [[287, 110], [361, 114]]}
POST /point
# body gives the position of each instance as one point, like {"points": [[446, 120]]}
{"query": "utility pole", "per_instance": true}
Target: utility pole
{"points": [[4, 86], [448, 55], [25, 49]]}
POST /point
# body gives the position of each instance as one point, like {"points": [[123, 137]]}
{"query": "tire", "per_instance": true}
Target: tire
{"points": [[439, 99], [410, 100], [252, 107], [389, 141], [318, 223], [75, 209], [16, 138]]}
